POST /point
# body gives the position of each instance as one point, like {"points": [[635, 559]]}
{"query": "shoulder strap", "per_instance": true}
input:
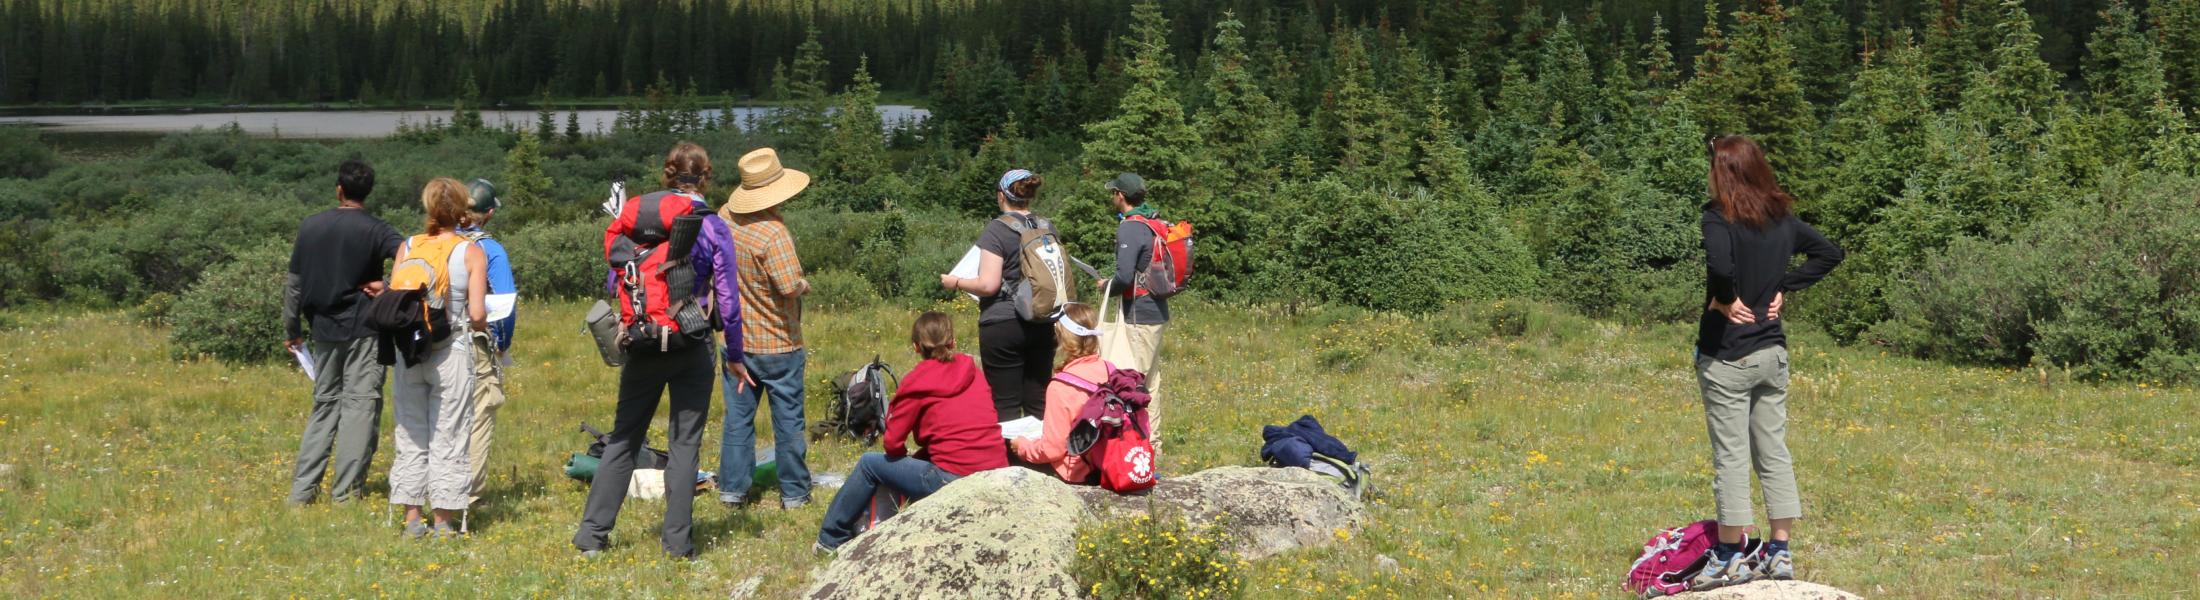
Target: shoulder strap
{"points": [[1015, 222], [1077, 382]]}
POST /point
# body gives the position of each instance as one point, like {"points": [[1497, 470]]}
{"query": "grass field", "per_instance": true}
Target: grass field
{"points": [[1523, 452]]}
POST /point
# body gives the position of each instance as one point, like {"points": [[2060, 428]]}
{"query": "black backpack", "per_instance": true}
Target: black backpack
{"points": [[861, 400]]}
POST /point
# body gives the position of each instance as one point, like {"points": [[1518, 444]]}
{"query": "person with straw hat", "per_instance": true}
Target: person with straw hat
{"points": [[772, 287]]}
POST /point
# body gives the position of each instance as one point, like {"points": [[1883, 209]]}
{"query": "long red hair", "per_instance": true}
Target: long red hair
{"points": [[1743, 186]]}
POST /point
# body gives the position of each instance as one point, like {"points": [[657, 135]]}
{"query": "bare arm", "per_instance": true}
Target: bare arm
{"points": [[477, 287]]}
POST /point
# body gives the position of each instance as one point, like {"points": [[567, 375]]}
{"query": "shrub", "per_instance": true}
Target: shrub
{"points": [[235, 312], [2108, 288], [840, 289], [1381, 251], [166, 246], [557, 260], [1156, 557], [22, 155]]}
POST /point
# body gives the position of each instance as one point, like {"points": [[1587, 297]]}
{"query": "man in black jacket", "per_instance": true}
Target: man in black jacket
{"points": [[335, 269]]}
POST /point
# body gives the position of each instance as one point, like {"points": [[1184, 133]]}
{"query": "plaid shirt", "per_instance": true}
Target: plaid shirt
{"points": [[771, 273]]}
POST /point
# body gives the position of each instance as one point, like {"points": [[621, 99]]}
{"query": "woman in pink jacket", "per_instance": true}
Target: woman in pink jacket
{"points": [[1078, 344]]}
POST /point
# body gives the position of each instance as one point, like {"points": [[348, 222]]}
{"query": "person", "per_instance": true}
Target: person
{"points": [[335, 264], [491, 348], [1750, 232], [1134, 340], [684, 375], [771, 302], [433, 401], [1018, 355], [948, 407], [1079, 349]]}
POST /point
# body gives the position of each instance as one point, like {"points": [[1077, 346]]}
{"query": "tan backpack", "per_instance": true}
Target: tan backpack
{"points": [[1045, 286]]}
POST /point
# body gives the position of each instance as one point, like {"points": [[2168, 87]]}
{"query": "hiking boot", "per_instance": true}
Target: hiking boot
{"points": [[1779, 566], [1720, 573], [793, 503], [820, 549], [446, 530], [416, 529], [590, 554]]}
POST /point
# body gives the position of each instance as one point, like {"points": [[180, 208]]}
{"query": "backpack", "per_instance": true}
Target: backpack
{"points": [[860, 402], [424, 275], [649, 245], [1111, 431], [1673, 556], [1353, 477], [1045, 286], [1172, 258]]}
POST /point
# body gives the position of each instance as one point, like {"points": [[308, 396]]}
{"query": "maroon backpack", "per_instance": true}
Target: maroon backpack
{"points": [[1112, 431], [1673, 556]]}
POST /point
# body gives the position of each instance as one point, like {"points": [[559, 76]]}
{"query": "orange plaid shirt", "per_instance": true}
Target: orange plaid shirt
{"points": [[771, 273]]}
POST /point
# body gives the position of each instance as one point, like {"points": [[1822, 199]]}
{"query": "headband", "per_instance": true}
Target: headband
{"points": [[1074, 328]]}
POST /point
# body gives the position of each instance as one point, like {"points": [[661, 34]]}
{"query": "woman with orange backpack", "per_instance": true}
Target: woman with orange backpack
{"points": [[433, 402]]}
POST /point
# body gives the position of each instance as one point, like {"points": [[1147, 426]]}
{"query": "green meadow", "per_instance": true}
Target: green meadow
{"points": [[1521, 452]]}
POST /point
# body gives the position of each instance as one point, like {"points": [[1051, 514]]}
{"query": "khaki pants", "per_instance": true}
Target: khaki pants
{"points": [[433, 403], [1745, 411], [488, 395], [1137, 347]]}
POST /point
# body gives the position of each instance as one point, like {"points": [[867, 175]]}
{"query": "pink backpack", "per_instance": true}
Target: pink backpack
{"points": [[1671, 557]]}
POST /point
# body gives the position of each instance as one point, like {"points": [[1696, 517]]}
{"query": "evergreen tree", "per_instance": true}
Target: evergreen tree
{"points": [[2123, 69], [1504, 146], [546, 120], [1241, 126], [805, 115], [572, 126], [524, 184], [1563, 71], [1660, 70], [1876, 139], [855, 152], [1824, 54], [1360, 122], [2177, 29], [1149, 133], [2015, 98], [1751, 87], [466, 110]]}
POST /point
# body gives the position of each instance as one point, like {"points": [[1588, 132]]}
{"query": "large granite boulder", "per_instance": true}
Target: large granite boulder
{"points": [[1011, 533], [1772, 590], [1267, 511], [1005, 533]]}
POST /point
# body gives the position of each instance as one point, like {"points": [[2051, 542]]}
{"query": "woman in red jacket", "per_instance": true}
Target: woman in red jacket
{"points": [[946, 403]]}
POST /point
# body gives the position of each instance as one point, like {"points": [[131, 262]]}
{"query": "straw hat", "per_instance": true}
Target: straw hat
{"points": [[764, 183]]}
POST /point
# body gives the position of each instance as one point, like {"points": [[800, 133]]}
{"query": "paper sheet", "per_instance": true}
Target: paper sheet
{"points": [[305, 362], [967, 268], [1027, 427], [500, 305]]}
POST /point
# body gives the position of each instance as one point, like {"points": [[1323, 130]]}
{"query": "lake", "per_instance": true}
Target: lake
{"points": [[341, 124]]}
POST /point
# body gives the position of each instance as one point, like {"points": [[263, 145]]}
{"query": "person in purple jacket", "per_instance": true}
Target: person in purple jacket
{"points": [[686, 371]]}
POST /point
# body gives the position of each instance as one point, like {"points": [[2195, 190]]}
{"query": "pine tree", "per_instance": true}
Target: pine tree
{"points": [[1876, 139], [1240, 128], [1504, 146], [1751, 87], [1149, 133], [1823, 52], [2015, 98], [1360, 121], [1563, 71], [2177, 31], [805, 115], [572, 126], [546, 120], [524, 184], [1661, 72], [855, 152], [466, 110], [2123, 69]]}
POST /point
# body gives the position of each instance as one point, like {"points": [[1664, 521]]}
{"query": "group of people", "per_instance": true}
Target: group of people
{"points": [[747, 271], [447, 389]]}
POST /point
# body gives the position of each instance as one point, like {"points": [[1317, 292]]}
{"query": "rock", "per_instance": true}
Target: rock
{"points": [[1386, 564], [1773, 590], [745, 590], [1270, 511], [1005, 533]]}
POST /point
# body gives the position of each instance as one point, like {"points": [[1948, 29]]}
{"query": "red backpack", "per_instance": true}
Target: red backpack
{"points": [[1111, 430], [1172, 258], [1673, 556], [649, 246]]}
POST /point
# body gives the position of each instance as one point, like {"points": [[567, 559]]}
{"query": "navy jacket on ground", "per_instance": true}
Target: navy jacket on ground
{"points": [[1294, 445]]}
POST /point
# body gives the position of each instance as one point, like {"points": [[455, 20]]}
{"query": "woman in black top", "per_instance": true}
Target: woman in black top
{"points": [[1018, 355], [1750, 233]]}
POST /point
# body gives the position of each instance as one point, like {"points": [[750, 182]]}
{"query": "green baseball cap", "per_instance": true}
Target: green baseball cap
{"points": [[1130, 184], [484, 195]]}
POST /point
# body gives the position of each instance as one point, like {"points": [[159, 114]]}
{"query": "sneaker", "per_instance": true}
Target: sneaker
{"points": [[820, 549], [1720, 573], [417, 529], [590, 554], [1779, 566], [793, 503], [446, 530]]}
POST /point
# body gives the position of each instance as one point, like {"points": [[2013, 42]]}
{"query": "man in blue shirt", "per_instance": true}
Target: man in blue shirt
{"points": [[490, 346]]}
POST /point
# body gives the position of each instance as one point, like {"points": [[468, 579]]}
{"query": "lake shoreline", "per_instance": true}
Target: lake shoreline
{"points": [[366, 123]]}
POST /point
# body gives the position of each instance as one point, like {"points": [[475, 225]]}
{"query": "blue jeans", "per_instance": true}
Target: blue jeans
{"points": [[779, 377], [910, 476]]}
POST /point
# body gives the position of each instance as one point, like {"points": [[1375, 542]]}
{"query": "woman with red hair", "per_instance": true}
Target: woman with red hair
{"points": [[1750, 233]]}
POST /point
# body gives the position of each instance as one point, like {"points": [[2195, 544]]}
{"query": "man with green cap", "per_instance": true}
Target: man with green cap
{"points": [[1133, 340], [489, 346]]}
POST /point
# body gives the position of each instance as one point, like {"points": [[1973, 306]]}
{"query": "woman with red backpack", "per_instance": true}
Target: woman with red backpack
{"points": [[1750, 233], [672, 261], [948, 407], [1079, 348]]}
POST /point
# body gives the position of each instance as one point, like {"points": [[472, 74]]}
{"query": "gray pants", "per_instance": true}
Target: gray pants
{"points": [[434, 407], [347, 412], [1745, 410]]}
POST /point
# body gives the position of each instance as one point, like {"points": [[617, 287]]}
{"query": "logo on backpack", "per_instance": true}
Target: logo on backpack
{"points": [[1171, 263], [1045, 286], [1111, 430], [650, 246]]}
